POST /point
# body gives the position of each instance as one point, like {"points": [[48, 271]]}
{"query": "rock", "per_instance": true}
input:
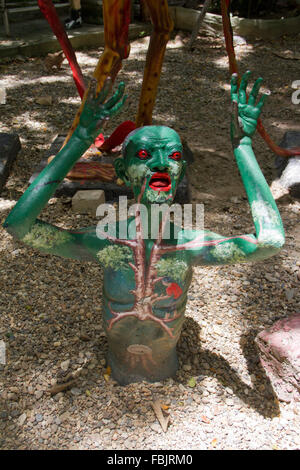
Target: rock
{"points": [[54, 428], [235, 200], [155, 427], [6, 204], [22, 419], [44, 100], [12, 396], [290, 293], [270, 278], [279, 350], [3, 415], [65, 365], [87, 201], [45, 434], [15, 252], [39, 418]]}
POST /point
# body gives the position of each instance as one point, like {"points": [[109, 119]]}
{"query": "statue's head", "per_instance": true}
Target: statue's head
{"points": [[152, 155]]}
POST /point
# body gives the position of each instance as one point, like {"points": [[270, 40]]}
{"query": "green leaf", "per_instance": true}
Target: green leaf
{"points": [[192, 382]]}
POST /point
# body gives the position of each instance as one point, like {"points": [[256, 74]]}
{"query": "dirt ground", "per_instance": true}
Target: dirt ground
{"points": [[51, 308]]}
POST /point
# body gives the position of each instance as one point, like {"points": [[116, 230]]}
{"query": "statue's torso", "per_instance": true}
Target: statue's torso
{"points": [[144, 306]]}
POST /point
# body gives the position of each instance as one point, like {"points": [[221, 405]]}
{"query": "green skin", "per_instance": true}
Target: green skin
{"points": [[146, 280]]}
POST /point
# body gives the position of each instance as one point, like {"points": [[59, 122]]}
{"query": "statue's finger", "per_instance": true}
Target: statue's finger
{"points": [[263, 99], [110, 112], [243, 87], [116, 97], [115, 109], [234, 85], [254, 92]]}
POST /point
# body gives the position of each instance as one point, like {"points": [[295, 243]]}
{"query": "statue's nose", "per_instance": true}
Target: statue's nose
{"points": [[160, 167], [160, 163]]}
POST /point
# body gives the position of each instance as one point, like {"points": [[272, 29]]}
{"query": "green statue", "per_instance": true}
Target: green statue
{"points": [[146, 278]]}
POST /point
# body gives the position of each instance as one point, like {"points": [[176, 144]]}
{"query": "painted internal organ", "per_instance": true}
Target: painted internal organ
{"points": [[139, 349], [173, 289], [140, 354]]}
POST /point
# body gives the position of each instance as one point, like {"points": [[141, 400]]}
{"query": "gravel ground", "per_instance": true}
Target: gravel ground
{"points": [[51, 308]]}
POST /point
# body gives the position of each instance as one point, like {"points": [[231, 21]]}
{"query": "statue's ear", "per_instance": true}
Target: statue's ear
{"points": [[119, 165]]}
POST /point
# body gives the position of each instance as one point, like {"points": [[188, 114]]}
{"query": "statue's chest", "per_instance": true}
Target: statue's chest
{"points": [[118, 284], [168, 280]]}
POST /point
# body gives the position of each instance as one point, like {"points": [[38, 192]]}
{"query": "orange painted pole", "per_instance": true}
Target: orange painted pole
{"points": [[116, 18], [162, 27]]}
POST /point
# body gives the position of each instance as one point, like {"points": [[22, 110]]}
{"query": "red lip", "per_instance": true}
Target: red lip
{"points": [[160, 182]]}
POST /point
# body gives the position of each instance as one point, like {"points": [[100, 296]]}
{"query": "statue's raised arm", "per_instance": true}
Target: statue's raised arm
{"points": [[210, 248], [22, 221]]}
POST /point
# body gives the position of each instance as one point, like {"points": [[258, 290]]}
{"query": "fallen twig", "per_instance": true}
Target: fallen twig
{"points": [[200, 19], [163, 421], [61, 387]]}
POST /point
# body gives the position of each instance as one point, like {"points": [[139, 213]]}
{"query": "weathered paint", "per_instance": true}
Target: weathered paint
{"points": [[146, 281]]}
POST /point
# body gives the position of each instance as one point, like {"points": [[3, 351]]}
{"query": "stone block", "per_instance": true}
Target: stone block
{"points": [[9, 148], [87, 201], [279, 351]]}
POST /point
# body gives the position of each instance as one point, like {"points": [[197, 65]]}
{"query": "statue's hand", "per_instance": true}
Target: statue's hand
{"points": [[96, 110], [245, 113]]}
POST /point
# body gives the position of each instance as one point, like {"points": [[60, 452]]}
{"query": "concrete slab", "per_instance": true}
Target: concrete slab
{"points": [[21, 13], [185, 18], [35, 38]]}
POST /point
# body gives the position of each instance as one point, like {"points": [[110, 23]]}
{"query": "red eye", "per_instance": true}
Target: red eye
{"points": [[143, 154], [176, 155]]}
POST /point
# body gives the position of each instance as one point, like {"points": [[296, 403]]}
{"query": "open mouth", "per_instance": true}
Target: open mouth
{"points": [[160, 182]]}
